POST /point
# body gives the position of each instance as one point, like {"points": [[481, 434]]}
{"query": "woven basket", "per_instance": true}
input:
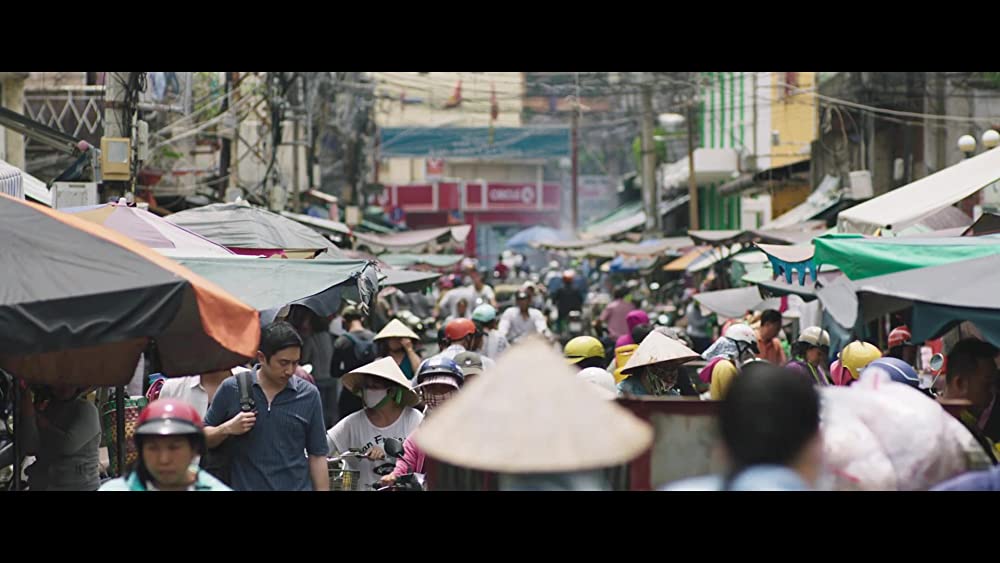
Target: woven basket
{"points": [[342, 479], [109, 419]]}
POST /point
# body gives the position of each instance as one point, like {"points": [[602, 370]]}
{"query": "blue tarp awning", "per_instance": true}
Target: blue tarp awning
{"points": [[474, 142]]}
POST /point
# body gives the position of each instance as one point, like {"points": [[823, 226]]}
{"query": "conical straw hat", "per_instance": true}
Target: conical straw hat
{"points": [[396, 329], [387, 369], [535, 417], [658, 348]]}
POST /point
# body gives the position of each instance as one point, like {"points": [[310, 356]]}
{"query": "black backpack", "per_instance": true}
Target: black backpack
{"points": [[364, 352], [218, 461]]}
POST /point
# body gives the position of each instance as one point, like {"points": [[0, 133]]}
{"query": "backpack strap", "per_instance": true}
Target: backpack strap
{"points": [[244, 384]]}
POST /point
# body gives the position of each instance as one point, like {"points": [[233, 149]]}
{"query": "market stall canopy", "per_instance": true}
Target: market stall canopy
{"points": [[779, 287], [715, 256], [566, 245], [408, 281], [945, 219], [860, 257], [434, 260], [941, 296], [906, 205], [681, 264], [80, 302], [323, 225], [251, 230], [269, 284], [826, 195], [415, 241], [32, 188], [521, 241], [149, 229], [717, 238], [734, 303], [625, 218], [987, 224]]}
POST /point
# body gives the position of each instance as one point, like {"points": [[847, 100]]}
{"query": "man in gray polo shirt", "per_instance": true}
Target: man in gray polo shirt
{"points": [[271, 443]]}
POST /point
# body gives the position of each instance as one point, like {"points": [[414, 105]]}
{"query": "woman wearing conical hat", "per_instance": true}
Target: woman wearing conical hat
{"points": [[652, 369], [396, 340]]}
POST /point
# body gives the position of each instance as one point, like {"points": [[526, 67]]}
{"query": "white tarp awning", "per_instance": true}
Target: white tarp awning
{"points": [[18, 183], [905, 206]]}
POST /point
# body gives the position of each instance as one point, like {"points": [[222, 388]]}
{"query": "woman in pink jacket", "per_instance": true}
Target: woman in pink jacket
{"points": [[438, 379]]}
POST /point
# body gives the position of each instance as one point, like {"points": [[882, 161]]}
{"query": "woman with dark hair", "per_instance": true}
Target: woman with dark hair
{"points": [[169, 436], [769, 425], [396, 340]]}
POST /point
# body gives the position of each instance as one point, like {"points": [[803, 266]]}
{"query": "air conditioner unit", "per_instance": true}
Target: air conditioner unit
{"points": [[861, 185], [74, 194]]}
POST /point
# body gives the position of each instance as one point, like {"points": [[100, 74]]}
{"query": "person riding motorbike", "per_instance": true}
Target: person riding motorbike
{"points": [[169, 436], [584, 352], [653, 368], [725, 357], [438, 379], [810, 352], [567, 299], [490, 343], [853, 358], [522, 320], [901, 347]]}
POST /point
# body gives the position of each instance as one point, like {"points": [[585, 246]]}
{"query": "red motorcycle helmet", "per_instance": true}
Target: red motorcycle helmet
{"points": [[170, 417], [459, 329]]}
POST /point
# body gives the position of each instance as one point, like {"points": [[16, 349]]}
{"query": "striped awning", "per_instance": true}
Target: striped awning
{"points": [[11, 182]]}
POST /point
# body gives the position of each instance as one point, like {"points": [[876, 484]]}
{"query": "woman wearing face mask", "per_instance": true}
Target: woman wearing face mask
{"points": [[653, 368], [735, 348], [387, 398], [438, 380]]}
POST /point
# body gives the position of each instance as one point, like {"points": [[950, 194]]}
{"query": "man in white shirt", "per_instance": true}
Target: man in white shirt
{"points": [[196, 390], [522, 320]]}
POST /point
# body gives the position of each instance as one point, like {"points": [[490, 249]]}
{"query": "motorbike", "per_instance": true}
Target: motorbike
{"points": [[405, 482]]}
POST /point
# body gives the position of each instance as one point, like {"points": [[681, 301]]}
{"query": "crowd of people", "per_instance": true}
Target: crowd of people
{"points": [[343, 388]]}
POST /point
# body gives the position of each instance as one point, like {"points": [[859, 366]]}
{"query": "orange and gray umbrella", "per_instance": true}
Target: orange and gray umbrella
{"points": [[80, 302]]}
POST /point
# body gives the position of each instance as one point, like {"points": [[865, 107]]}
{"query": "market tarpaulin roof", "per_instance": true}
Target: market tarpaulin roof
{"points": [[80, 302], [269, 284], [625, 218], [474, 142], [941, 296], [734, 303], [434, 260], [906, 205], [860, 257], [149, 229], [323, 225], [245, 229], [415, 241], [408, 281], [681, 264], [987, 224]]}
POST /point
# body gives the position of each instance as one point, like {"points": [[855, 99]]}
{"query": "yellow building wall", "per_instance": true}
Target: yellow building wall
{"points": [[794, 117]]}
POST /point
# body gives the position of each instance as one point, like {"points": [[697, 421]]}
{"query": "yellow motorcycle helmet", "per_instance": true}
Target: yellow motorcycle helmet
{"points": [[857, 355], [622, 354], [581, 348]]}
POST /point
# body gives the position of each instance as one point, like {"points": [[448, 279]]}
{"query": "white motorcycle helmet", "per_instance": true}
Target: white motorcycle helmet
{"points": [[745, 339]]}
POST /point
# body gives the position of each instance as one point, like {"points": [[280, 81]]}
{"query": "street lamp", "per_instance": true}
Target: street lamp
{"points": [[991, 139], [967, 144]]}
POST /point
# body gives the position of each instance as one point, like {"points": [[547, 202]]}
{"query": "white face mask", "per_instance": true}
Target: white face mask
{"points": [[372, 397]]}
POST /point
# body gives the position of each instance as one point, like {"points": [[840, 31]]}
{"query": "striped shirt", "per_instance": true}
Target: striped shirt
{"points": [[272, 455]]}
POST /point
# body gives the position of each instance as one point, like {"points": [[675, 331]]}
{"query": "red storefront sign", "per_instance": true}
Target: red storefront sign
{"points": [[512, 194]]}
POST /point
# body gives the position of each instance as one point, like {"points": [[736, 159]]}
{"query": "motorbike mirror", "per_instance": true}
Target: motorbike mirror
{"points": [[937, 362], [393, 447]]}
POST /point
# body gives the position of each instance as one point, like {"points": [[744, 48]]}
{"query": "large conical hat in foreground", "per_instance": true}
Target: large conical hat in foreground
{"points": [[658, 348], [533, 417]]}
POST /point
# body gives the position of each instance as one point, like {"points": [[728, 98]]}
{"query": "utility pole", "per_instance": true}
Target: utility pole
{"points": [[116, 122], [575, 156], [224, 155], [296, 201], [692, 180], [234, 147], [649, 160]]}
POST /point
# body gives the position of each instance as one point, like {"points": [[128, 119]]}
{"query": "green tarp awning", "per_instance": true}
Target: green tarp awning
{"points": [[859, 257]]}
